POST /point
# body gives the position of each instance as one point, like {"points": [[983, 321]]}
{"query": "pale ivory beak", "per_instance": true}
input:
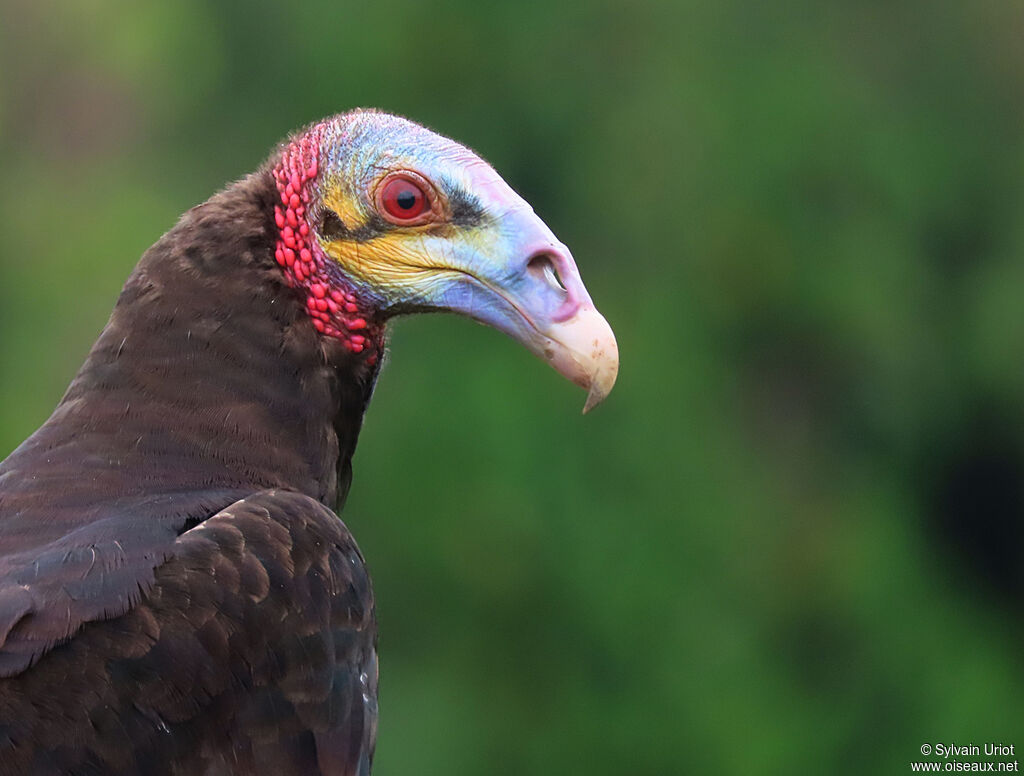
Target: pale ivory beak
{"points": [[583, 349]]}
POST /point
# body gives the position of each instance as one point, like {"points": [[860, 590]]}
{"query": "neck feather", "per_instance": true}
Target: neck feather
{"points": [[210, 371]]}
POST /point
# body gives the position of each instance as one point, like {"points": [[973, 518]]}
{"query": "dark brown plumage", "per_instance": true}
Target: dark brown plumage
{"points": [[219, 399], [176, 595]]}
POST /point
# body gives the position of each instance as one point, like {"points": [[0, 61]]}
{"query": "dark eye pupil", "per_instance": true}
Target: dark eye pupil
{"points": [[406, 199]]}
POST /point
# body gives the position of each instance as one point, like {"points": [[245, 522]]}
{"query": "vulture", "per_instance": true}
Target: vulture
{"points": [[177, 592]]}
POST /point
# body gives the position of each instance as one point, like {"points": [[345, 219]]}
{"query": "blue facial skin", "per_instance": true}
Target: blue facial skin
{"points": [[486, 255]]}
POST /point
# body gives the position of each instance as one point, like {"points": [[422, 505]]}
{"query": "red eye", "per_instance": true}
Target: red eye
{"points": [[404, 201]]}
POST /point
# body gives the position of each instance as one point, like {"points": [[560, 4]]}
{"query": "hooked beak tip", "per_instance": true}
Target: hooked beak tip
{"points": [[603, 380], [584, 350]]}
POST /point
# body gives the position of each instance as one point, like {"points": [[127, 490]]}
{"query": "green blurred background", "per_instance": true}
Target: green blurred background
{"points": [[791, 541]]}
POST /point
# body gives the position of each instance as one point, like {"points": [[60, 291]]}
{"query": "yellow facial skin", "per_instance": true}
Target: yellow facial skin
{"points": [[480, 251], [344, 206], [406, 263]]}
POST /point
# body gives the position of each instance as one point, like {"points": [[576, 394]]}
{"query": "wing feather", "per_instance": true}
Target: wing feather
{"points": [[253, 652]]}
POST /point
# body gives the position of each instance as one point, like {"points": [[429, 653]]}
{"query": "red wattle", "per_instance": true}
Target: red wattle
{"points": [[302, 259]]}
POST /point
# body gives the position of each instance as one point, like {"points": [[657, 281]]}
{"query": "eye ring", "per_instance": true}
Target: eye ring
{"points": [[405, 198]]}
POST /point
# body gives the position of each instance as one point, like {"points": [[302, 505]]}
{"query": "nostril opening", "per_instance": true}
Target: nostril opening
{"points": [[544, 267]]}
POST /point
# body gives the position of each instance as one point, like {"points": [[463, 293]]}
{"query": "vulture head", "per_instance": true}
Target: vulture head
{"points": [[379, 216], [172, 526]]}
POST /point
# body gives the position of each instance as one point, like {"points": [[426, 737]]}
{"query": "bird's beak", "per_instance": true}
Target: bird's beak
{"points": [[583, 349], [526, 284]]}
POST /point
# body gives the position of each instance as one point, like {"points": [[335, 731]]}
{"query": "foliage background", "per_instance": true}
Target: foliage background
{"points": [[791, 541]]}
